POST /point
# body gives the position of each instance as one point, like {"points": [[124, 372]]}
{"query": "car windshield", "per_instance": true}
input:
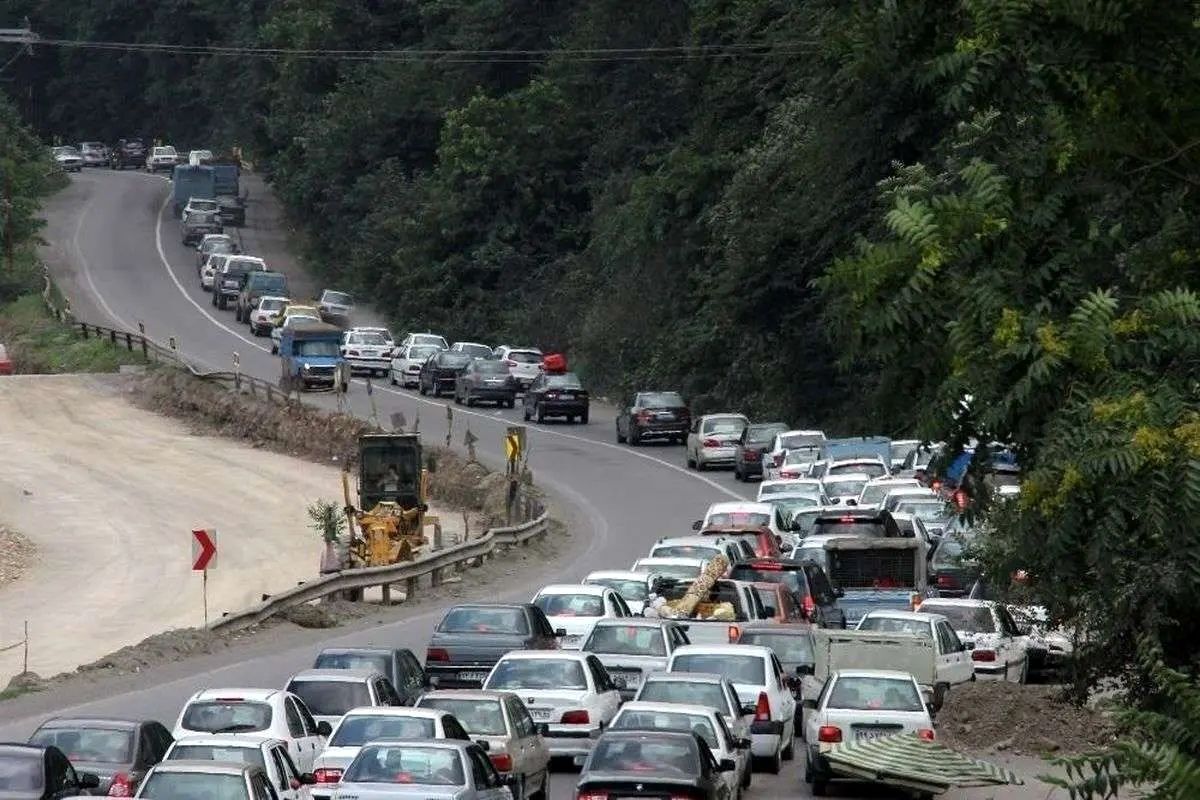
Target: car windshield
{"points": [[894, 625], [217, 246], [424, 766], [380, 663], [491, 368], [738, 669], [476, 350], [622, 754], [537, 673], [89, 744], [850, 487], [660, 400], [669, 570], [815, 554], [628, 640], [565, 381], [875, 694], [790, 578], [252, 756], [871, 469], [803, 520], [21, 772], [761, 434], [65, 151], [801, 455], [790, 506], [226, 716], [686, 693], [165, 151], [738, 519], [667, 721], [950, 552], [452, 360], [791, 649], [571, 605], [628, 588], [723, 425], [317, 348], [210, 786], [684, 551], [478, 717], [925, 510], [810, 490], [968, 619], [485, 620], [357, 730], [269, 281], [873, 493], [788, 441], [422, 351], [331, 698], [338, 298], [196, 204], [271, 305], [524, 356], [900, 450]]}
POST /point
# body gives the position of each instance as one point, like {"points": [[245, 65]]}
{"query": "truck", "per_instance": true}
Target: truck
{"points": [[188, 181], [873, 572], [227, 190], [310, 357], [719, 612], [857, 447]]}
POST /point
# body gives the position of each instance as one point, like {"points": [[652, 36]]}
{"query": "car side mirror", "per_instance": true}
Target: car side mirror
{"points": [[542, 728], [88, 780], [307, 779], [698, 524], [726, 765], [809, 703], [805, 669], [483, 745], [968, 646], [324, 728], [744, 744], [579, 761]]}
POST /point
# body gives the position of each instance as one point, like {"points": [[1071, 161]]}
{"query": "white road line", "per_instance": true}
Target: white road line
{"points": [[417, 398]]}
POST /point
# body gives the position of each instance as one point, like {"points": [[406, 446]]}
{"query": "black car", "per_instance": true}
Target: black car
{"points": [[118, 751], [655, 764], [951, 572], [752, 446], [31, 772], [128, 153], [808, 583], [440, 372], [556, 395], [654, 415], [399, 665], [470, 639], [485, 381]]}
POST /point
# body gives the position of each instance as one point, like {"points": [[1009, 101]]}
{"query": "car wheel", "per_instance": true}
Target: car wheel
{"points": [[691, 462], [392, 377], [1024, 676], [540, 794], [510, 403], [525, 411], [421, 387], [789, 752], [634, 438], [737, 473], [274, 348], [773, 764], [584, 418], [541, 413], [213, 298], [939, 699], [620, 438], [747, 777]]}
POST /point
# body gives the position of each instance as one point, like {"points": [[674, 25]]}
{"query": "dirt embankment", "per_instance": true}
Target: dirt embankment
{"points": [[16, 554]]}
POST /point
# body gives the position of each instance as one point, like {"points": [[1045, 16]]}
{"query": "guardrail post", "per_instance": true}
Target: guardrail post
{"points": [[387, 594], [112, 337], [270, 394], [128, 342], [83, 329], [410, 589], [145, 352]]}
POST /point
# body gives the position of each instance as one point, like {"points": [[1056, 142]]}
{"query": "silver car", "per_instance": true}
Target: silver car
{"points": [[702, 689], [713, 439], [631, 649], [206, 779], [422, 770], [330, 693]]}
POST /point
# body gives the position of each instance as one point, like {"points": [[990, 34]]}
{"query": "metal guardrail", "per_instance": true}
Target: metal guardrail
{"points": [[409, 573]]}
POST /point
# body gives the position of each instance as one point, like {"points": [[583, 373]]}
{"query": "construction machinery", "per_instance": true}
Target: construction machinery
{"points": [[388, 524]]}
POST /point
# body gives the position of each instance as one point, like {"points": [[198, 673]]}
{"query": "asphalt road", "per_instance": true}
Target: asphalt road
{"points": [[118, 256]]}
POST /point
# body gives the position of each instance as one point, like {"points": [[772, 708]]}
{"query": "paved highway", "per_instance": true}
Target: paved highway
{"points": [[121, 263]]}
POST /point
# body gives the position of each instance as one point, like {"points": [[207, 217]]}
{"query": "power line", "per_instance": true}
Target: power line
{"points": [[22, 50]]}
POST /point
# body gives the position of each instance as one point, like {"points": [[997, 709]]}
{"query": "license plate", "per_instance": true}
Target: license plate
{"points": [[666, 415], [567, 396], [472, 676], [872, 733], [540, 713], [571, 639], [631, 678]]}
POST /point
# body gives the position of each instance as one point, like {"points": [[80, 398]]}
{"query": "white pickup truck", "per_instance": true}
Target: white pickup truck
{"points": [[701, 629]]}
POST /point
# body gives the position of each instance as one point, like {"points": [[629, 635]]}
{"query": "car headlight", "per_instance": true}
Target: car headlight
{"points": [[305, 367]]}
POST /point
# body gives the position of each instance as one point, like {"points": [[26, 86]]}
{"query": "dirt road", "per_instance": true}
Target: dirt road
{"points": [[109, 494]]}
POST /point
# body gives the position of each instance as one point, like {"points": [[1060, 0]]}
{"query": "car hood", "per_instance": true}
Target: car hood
{"points": [[384, 791]]}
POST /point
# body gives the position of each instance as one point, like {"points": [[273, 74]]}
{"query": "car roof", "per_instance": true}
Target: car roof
{"points": [[464, 694], [668, 708], [739, 505], [635, 622], [775, 629], [688, 677], [723, 650], [959, 602], [573, 588], [799, 432], [484, 604], [790, 481], [247, 741], [396, 711], [443, 744], [246, 695], [617, 574], [714, 542], [111, 723], [846, 476], [915, 616], [211, 767], [725, 415], [342, 651], [473, 344], [336, 675], [671, 561], [275, 297], [562, 655], [873, 673]]}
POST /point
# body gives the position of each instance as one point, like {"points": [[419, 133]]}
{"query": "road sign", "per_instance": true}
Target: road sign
{"points": [[512, 446], [204, 549]]}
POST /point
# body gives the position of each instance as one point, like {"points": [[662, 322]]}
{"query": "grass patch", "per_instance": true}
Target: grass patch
{"points": [[39, 344]]}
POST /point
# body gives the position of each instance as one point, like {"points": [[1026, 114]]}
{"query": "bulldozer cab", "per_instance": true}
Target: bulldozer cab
{"points": [[389, 470]]}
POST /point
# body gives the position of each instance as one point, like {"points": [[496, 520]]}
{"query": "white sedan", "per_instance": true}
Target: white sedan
{"points": [[998, 648], [575, 607], [264, 315], [634, 587], [254, 713], [260, 751], [570, 692], [407, 361]]}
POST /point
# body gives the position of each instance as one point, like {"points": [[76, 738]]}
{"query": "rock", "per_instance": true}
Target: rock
{"points": [[1003, 744], [26, 682], [307, 616]]}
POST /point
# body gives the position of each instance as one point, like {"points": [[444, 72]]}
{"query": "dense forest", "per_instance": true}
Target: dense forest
{"points": [[849, 213]]}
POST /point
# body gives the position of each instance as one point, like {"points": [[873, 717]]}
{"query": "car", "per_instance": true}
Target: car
{"points": [[398, 664], [471, 637], [876, 489], [440, 372], [214, 243], [570, 692], [227, 283], [682, 568], [407, 361], [779, 605], [330, 693], [555, 395], [705, 547], [117, 751], [704, 721], [954, 664], [793, 645], [335, 307], [485, 381], [513, 741], [803, 442], [256, 284], [41, 772], [796, 464], [255, 712], [809, 585], [631, 649], [269, 755], [367, 351], [292, 315], [209, 269], [654, 415], [199, 157], [129, 152], [67, 158], [95, 154], [847, 522], [871, 467], [934, 512], [998, 648], [844, 489], [162, 157], [734, 515], [423, 339], [952, 572], [752, 446], [524, 363], [895, 497], [472, 349], [808, 487], [268, 311], [703, 689], [197, 226], [712, 440], [859, 705], [917, 462], [758, 677], [634, 587], [224, 779], [431, 769], [361, 726], [384, 332], [575, 607], [635, 763], [899, 450], [197, 205]]}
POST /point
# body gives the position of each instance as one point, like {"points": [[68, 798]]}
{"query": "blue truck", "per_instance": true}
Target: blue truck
{"points": [[211, 180], [310, 357], [857, 447], [188, 181], [874, 572]]}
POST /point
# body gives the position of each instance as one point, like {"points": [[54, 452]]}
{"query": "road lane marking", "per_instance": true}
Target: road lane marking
{"points": [[87, 271]]}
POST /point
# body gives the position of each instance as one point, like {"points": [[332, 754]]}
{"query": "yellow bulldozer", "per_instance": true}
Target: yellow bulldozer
{"points": [[388, 524]]}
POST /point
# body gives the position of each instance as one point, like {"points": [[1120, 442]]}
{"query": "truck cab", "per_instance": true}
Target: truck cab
{"points": [[310, 357], [188, 181], [875, 573]]}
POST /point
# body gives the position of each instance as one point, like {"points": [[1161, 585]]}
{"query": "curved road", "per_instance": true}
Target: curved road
{"points": [[121, 264]]}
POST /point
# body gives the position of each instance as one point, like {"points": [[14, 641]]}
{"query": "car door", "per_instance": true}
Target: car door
{"points": [[261, 788], [411, 676], [487, 782], [954, 660], [787, 701], [298, 747], [608, 697], [1013, 641], [532, 746], [311, 742]]}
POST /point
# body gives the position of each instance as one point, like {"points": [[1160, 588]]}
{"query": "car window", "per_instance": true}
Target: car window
{"points": [[482, 619], [357, 730], [217, 716], [294, 722], [262, 788], [537, 673], [633, 640], [283, 776], [1007, 624], [875, 694], [482, 770], [331, 697], [524, 723], [945, 644], [738, 669], [972, 619], [668, 721], [599, 675], [819, 586], [453, 729], [310, 724]]}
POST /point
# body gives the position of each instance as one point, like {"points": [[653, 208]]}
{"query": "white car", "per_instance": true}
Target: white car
{"points": [[407, 361], [367, 351], [758, 677], [859, 705], [704, 547], [162, 157], [524, 363], [330, 693], [335, 304], [895, 496], [998, 648], [844, 489], [954, 665], [899, 450], [434, 769], [575, 608], [473, 349], [632, 649], [255, 712], [705, 721], [684, 568], [702, 689], [871, 467], [568, 691], [809, 487], [712, 441], [68, 158], [261, 751], [288, 321], [796, 463], [425, 338], [360, 726], [873, 493], [807, 442], [95, 154], [633, 587], [199, 204], [740, 514], [208, 272], [265, 314], [196, 779]]}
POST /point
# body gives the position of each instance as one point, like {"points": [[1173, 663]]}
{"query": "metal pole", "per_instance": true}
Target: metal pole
{"points": [[25, 664], [205, 583]]}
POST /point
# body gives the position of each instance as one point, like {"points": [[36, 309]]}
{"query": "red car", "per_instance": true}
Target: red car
{"points": [[762, 539]]}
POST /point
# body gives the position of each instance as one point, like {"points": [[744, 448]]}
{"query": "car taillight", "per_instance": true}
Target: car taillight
{"points": [[327, 775], [592, 796], [437, 654], [787, 473], [829, 733], [501, 761], [810, 606], [947, 582], [762, 709], [983, 655], [927, 734], [120, 786], [735, 633], [576, 718], [712, 442], [551, 395]]}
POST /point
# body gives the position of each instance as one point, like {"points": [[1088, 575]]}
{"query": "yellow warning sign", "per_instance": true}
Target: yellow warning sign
{"points": [[512, 447]]}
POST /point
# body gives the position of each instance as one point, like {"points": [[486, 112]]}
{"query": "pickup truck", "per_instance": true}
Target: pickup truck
{"points": [[873, 572], [746, 605]]}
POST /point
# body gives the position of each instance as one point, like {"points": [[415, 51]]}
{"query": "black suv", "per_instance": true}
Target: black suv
{"points": [[807, 582], [648, 415], [753, 445], [440, 372], [128, 153]]}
